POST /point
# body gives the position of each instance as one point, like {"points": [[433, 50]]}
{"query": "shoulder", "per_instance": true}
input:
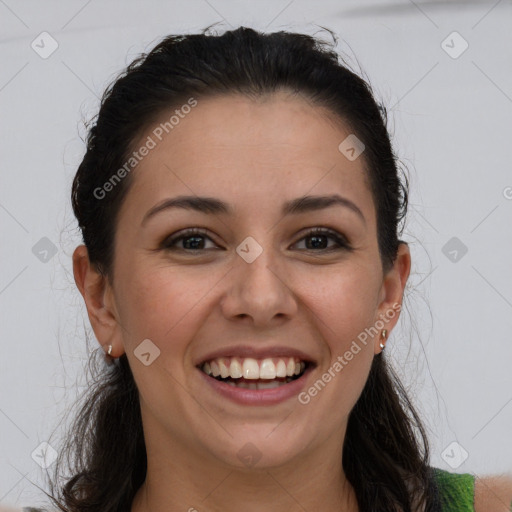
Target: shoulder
{"points": [[456, 490], [5, 508], [493, 493], [469, 492]]}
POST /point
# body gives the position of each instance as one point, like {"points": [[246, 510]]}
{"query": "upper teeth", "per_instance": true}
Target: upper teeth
{"points": [[250, 368]]}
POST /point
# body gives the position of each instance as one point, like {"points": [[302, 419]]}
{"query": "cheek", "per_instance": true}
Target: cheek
{"points": [[344, 310], [344, 303], [343, 306], [160, 305]]}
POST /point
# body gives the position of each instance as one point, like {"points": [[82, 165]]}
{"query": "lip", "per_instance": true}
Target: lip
{"points": [[244, 351], [243, 396]]}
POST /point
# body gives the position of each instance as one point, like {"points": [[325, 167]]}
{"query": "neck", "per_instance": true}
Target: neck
{"points": [[268, 491]]}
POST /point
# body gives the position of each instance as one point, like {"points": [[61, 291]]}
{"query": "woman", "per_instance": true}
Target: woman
{"points": [[240, 205]]}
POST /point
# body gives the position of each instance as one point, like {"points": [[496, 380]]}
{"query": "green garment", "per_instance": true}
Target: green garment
{"points": [[457, 491]]}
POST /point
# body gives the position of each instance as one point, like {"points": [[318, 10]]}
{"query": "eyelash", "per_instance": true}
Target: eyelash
{"points": [[168, 243]]}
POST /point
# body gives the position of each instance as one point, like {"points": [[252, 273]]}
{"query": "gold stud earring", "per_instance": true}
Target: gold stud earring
{"points": [[108, 354], [383, 337]]}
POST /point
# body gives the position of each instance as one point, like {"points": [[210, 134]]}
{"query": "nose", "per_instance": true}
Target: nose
{"points": [[259, 292]]}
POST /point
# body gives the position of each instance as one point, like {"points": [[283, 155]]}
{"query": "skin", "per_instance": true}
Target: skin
{"points": [[493, 493], [253, 155]]}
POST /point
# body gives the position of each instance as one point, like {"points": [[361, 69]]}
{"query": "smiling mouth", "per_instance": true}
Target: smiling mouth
{"points": [[250, 373]]}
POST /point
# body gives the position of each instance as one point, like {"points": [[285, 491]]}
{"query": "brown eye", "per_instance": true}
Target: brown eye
{"points": [[320, 239], [194, 240]]}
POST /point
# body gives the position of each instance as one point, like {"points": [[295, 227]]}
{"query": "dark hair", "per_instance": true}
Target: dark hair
{"points": [[386, 451]]}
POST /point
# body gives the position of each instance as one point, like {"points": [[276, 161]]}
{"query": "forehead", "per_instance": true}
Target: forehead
{"points": [[266, 149], [278, 127]]}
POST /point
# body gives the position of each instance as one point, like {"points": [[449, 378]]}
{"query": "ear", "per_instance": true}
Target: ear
{"points": [[392, 292], [99, 300]]}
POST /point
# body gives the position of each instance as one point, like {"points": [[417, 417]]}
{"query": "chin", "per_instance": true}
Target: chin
{"points": [[259, 450]]}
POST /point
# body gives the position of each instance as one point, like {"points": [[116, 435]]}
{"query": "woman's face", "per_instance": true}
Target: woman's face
{"points": [[254, 278]]}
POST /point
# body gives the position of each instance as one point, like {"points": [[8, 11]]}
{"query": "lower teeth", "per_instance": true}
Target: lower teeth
{"points": [[258, 384]]}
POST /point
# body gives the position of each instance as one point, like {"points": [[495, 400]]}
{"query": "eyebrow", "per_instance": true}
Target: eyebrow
{"points": [[213, 206]]}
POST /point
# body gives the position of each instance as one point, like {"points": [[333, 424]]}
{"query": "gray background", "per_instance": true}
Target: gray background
{"points": [[450, 116]]}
